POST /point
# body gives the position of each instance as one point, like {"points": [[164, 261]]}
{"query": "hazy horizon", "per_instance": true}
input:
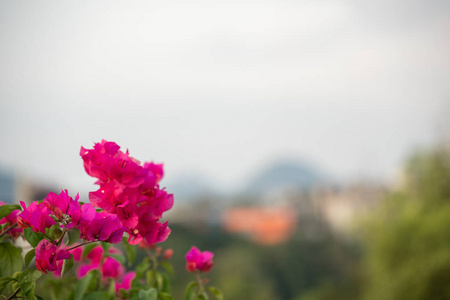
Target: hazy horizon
{"points": [[222, 88]]}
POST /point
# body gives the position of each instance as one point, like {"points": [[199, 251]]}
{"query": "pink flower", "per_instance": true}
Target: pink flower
{"points": [[59, 204], [168, 254], [36, 216], [129, 190], [11, 219], [94, 257], [48, 255], [81, 216], [105, 227], [126, 281], [197, 260], [111, 268]]}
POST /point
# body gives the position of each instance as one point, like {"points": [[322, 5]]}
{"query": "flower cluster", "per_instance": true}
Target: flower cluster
{"points": [[11, 221], [109, 267], [129, 190], [197, 260], [68, 214]]}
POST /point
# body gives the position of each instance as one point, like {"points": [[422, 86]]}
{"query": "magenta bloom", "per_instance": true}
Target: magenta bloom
{"points": [[105, 227], [129, 190], [59, 204], [11, 219], [197, 260], [48, 256], [94, 257], [126, 281], [111, 268], [36, 216]]}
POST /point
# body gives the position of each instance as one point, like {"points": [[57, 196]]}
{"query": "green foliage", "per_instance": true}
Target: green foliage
{"points": [[407, 242], [10, 259], [4, 281], [33, 237], [150, 294], [73, 236], [29, 257], [6, 209], [27, 282], [67, 265], [130, 251], [82, 285]]}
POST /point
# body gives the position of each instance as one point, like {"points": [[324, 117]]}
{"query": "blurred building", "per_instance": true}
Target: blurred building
{"points": [[264, 225], [15, 188]]}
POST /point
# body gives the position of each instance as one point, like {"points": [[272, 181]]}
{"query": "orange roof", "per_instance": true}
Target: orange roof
{"points": [[265, 225]]}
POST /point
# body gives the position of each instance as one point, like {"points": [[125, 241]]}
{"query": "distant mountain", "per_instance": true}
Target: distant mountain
{"points": [[286, 174]]}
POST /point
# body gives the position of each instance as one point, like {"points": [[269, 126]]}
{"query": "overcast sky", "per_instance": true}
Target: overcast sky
{"points": [[222, 87]]}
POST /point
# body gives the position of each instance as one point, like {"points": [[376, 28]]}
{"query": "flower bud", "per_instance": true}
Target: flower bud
{"points": [[168, 254]]}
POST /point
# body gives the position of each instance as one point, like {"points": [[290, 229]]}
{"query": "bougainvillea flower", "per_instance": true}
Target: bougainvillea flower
{"points": [[37, 216], [105, 227], [47, 256], [126, 281], [11, 219], [94, 258], [168, 253], [111, 268], [81, 216], [150, 230], [59, 204], [197, 260], [129, 190]]}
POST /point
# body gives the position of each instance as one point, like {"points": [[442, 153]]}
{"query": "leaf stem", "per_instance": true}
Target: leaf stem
{"points": [[14, 295], [50, 239]]}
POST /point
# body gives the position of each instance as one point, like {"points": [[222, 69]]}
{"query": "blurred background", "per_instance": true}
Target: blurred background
{"points": [[306, 142]]}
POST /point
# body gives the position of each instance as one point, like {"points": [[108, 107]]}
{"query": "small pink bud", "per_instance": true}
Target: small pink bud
{"points": [[168, 254], [158, 251]]}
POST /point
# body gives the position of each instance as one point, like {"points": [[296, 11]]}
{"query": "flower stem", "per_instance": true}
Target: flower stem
{"points": [[81, 245], [8, 229], [200, 283]]}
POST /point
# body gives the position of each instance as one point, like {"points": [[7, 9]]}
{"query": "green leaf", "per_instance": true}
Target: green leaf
{"points": [[203, 296], [164, 296], [33, 237], [112, 288], [67, 265], [74, 236], [4, 282], [29, 257], [166, 283], [98, 295], [10, 259], [82, 285], [216, 292], [39, 297], [130, 251], [149, 276], [168, 267], [158, 280], [150, 294], [7, 209], [54, 231], [142, 267], [190, 293], [27, 282]]}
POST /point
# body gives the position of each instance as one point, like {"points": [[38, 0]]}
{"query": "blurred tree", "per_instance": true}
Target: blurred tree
{"points": [[407, 241]]}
